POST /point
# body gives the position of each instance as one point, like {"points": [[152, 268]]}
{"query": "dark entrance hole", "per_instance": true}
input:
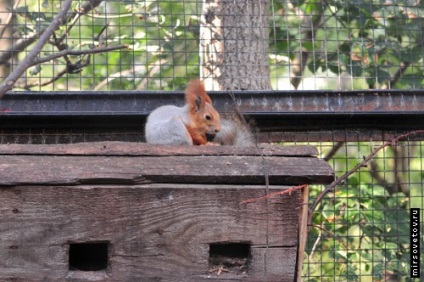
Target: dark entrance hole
{"points": [[88, 256], [229, 257]]}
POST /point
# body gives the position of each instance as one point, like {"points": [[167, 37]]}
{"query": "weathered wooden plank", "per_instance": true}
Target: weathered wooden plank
{"points": [[155, 230], [143, 149], [48, 170], [272, 259], [303, 232]]}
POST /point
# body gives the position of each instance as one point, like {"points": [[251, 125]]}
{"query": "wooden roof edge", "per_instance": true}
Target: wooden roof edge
{"points": [[115, 148]]}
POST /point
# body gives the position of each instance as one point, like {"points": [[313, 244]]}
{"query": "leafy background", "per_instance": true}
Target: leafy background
{"points": [[362, 229], [355, 44]]}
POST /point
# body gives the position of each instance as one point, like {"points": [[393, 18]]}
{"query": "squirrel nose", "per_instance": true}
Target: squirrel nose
{"points": [[217, 130]]}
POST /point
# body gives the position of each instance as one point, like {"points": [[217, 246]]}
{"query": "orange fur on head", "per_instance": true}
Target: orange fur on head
{"points": [[203, 118]]}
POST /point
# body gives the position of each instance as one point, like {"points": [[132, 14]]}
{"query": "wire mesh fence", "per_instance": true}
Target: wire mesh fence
{"points": [[360, 232], [110, 45]]}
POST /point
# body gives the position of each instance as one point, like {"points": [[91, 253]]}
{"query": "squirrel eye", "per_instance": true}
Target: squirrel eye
{"points": [[208, 117]]}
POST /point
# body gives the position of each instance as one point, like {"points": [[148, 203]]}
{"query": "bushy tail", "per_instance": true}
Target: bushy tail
{"points": [[236, 131]]}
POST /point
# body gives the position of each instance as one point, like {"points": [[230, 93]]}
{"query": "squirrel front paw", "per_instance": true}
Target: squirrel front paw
{"points": [[211, 144]]}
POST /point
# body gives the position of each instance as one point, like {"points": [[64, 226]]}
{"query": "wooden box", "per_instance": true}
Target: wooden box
{"points": [[113, 211]]}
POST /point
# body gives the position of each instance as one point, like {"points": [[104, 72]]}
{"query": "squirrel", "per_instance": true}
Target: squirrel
{"points": [[192, 124], [198, 123]]}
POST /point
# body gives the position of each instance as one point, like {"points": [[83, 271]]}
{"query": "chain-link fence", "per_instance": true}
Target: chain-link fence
{"points": [[319, 50]]}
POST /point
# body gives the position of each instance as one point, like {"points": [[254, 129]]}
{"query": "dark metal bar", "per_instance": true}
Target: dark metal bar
{"points": [[273, 110]]}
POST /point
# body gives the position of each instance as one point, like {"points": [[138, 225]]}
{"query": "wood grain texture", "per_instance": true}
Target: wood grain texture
{"points": [[303, 232], [20, 170], [157, 232], [158, 207], [142, 149]]}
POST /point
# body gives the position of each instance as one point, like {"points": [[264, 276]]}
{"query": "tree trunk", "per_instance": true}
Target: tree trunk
{"points": [[234, 44]]}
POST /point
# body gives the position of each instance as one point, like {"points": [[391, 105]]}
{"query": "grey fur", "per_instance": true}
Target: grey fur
{"points": [[235, 132], [166, 125]]}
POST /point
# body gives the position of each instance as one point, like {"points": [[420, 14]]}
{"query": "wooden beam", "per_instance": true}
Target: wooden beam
{"points": [[135, 163], [303, 232], [67, 170], [109, 148]]}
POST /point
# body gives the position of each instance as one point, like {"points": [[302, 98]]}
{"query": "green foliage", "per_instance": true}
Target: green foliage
{"points": [[379, 42], [361, 231], [162, 39]]}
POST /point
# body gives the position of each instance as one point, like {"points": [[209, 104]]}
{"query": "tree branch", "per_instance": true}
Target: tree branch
{"points": [[71, 19], [375, 173], [397, 76], [23, 43], [6, 23], [18, 46], [333, 151], [399, 171], [154, 69], [85, 7], [311, 22], [70, 67], [46, 82], [28, 60], [68, 52], [123, 73], [399, 73]]}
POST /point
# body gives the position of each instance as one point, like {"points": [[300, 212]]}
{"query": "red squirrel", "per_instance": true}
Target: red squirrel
{"points": [[191, 124]]}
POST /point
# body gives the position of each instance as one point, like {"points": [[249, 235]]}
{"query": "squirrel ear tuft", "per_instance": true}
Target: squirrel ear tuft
{"points": [[198, 103], [196, 95]]}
